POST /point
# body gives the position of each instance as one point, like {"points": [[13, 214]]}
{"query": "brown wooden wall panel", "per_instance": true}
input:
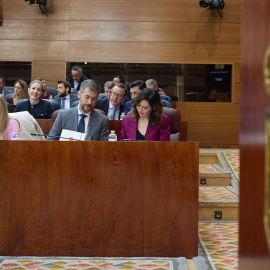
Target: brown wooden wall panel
{"points": [[18, 9], [27, 50], [207, 53], [101, 206], [236, 93], [236, 73], [127, 31], [214, 133], [51, 71], [126, 52], [151, 10], [34, 30], [214, 113], [128, 10], [212, 32]]}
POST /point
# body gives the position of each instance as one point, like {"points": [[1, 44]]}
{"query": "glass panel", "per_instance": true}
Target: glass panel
{"points": [[183, 82], [12, 71]]}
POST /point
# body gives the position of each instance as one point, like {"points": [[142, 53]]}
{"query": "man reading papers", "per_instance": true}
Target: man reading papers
{"points": [[83, 118]]}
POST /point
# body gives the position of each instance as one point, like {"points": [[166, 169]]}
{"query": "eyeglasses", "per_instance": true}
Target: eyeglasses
{"points": [[117, 95]]}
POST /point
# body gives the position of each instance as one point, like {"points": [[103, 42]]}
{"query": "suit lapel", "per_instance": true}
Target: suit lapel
{"points": [[91, 125]]}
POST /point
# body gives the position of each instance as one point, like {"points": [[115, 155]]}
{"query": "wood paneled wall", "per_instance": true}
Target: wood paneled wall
{"points": [[125, 31]]}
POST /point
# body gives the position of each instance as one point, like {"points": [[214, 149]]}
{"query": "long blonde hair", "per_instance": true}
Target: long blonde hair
{"points": [[24, 85], [4, 119]]}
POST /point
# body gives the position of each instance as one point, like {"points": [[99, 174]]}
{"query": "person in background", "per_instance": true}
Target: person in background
{"points": [[35, 105], [83, 118], [120, 79], [76, 78], [113, 107], [20, 92], [108, 88], [135, 88], [4, 91], [7, 125], [63, 98], [210, 96], [151, 83], [46, 93], [146, 121]]}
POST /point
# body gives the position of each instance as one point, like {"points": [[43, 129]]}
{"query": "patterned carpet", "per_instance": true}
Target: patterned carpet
{"points": [[94, 263], [218, 245]]}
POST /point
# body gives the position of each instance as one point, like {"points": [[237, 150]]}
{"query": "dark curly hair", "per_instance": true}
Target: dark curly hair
{"points": [[153, 98]]}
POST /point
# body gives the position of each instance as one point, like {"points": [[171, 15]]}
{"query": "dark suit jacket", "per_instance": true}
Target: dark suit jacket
{"points": [[103, 104], [160, 133], [71, 81], [98, 125], [43, 110], [72, 99]]}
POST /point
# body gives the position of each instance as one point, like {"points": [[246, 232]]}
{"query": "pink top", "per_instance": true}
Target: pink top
{"points": [[12, 125]]}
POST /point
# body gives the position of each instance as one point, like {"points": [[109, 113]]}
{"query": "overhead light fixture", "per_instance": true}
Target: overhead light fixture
{"points": [[214, 4], [38, 2]]}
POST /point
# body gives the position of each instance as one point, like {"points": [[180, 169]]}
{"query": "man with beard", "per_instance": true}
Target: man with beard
{"points": [[63, 98], [83, 118]]}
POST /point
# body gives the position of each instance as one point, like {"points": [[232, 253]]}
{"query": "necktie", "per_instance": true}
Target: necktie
{"points": [[81, 126], [63, 103], [113, 114]]}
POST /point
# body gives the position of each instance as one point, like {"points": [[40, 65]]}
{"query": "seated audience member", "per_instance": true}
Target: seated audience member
{"points": [[20, 92], [39, 108], [63, 95], [210, 96], [120, 79], [146, 121], [76, 78], [7, 125], [113, 107], [108, 88], [83, 118], [151, 83], [4, 91], [46, 93], [28, 125], [135, 88]]}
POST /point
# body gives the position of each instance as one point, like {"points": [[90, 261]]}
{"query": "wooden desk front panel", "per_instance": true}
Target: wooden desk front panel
{"points": [[99, 199]]}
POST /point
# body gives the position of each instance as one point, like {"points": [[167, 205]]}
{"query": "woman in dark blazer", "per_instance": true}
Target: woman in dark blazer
{"points": [[146, 121], [39, 108]]}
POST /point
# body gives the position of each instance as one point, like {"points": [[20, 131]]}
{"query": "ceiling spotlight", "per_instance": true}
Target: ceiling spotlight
{"points": [[213, 4], [38, 2]]}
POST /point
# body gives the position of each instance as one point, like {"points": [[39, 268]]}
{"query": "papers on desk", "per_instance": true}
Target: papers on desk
{"points": [[70, 135]]}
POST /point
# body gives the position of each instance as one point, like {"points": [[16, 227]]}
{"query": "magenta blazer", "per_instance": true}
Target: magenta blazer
{"points": [[159, 133]]}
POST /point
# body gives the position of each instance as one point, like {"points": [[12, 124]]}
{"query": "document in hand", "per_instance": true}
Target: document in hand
{"points": [[70, 135]]}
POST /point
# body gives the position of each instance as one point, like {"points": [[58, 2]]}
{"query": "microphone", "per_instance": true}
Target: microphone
{"points": [[60, 137]]}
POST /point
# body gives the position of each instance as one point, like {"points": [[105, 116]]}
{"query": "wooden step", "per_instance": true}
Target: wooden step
{"points": [[215, 201], [209, 158], [223, 179], [210, 211]]}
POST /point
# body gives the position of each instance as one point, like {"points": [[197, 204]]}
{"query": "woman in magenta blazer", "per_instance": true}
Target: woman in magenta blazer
{"points": [[146, 121]]}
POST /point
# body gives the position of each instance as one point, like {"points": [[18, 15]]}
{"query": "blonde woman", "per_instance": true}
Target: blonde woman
{"points": [[7, 125], [20, 92]]}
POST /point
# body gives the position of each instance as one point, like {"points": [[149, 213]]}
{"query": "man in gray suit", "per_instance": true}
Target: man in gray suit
{"points": [[4, 91], [63, 98], [83, 118]]}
